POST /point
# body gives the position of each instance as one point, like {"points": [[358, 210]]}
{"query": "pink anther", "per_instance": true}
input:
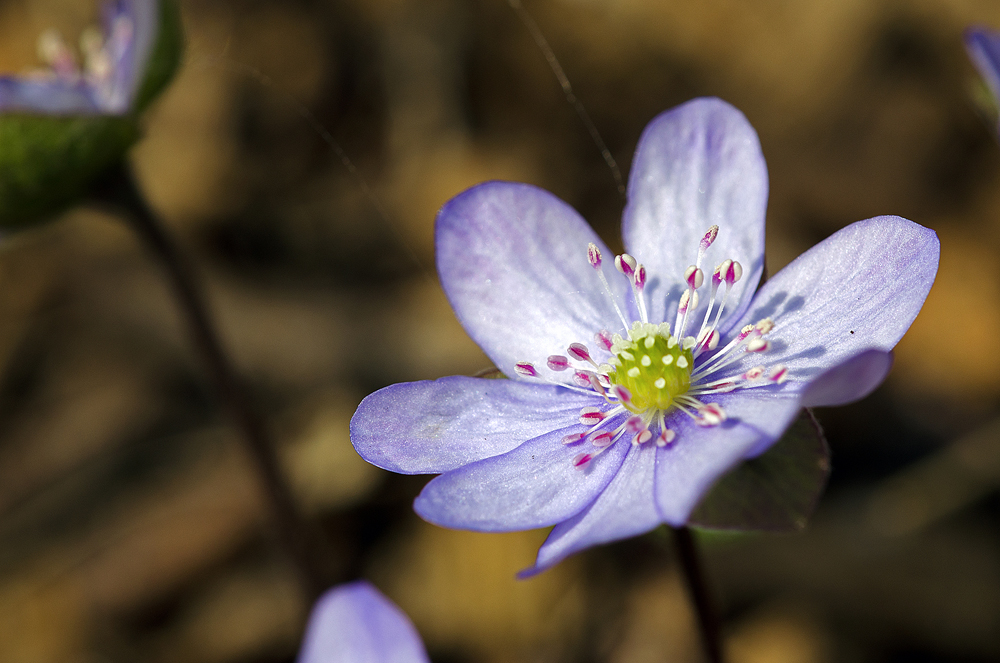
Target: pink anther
{"points": [[642, 437], [579, 351], [765, 326], [590, 416], [602, 440], [557, 363], [625, 264], [622, 393], [665, 437], [582, 379], [758, 345], [580, 460], [707, 240], [594, 255], [639, 278], [711, 414], [709, 340], [734, 273], [778, 374], [573, 437], [603, 338], [682, 305], [717, 275], [525, 369], [635, 424], [694, 277]]}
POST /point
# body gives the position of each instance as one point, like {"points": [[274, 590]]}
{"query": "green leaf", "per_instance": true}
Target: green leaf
{"points": [[775, 492]]}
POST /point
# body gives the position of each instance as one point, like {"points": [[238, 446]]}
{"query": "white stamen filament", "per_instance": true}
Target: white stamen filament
{"points": [[708, 311], [727, 355], [611, 296]]}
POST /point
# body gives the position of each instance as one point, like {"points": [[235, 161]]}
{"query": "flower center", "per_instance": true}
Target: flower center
{"points": [[652, 373], [652, 365]]}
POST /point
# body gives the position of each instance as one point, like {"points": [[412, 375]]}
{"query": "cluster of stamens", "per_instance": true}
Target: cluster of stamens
{"points": [[654, 369], [100, 58]]}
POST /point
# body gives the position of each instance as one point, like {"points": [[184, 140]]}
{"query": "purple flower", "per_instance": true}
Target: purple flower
{"points": [[983, 46], [114, 61], [637, 381], [355, 623]]}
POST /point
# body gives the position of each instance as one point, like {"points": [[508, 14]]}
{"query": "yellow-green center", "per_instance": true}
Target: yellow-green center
{"points": [[652, 365]]}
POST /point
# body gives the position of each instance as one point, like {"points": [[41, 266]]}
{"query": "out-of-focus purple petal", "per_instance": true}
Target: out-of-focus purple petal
{"points": [[131, 50], [435, 426], [697, 165], [699, 456], [849, 381], [513, 262], [355, 623], [535, 485], [983, 46], [625, 508], [45, 95], [859, 289]]}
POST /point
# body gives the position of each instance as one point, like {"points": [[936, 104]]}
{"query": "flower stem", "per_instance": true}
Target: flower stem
{"points": [[121, 191], [694, 578]]}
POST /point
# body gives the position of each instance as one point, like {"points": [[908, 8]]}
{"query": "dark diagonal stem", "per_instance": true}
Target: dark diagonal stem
{"points": [[121, 191], [694, 578]]}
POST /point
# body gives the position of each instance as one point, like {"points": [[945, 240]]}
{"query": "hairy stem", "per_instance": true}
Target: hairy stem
{"points": [[121, 191], [694, 578]]}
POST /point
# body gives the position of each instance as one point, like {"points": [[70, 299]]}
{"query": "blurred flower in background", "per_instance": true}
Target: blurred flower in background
{"points": [[983, 46], [356, 623], [114, 65], [61, 127]]}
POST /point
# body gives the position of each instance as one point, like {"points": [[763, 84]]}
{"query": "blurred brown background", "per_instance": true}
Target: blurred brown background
{"points": [[131, 525]]}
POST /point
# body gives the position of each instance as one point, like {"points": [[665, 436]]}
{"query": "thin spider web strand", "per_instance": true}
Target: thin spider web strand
{"points": [[550, 57]]}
